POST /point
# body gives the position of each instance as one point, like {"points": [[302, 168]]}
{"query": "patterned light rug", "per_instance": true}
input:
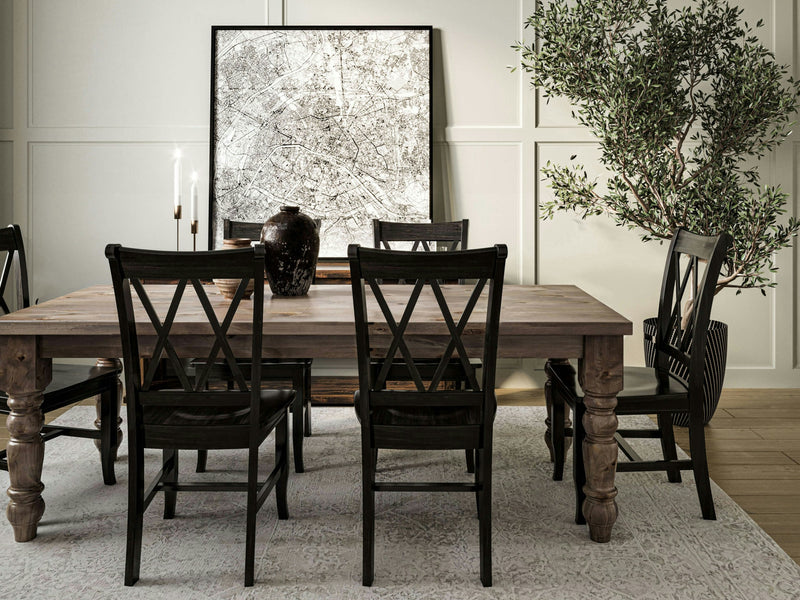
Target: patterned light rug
{"points": [[427, 544]]}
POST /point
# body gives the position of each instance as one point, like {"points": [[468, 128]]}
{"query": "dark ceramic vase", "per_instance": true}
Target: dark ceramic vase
{"points": [[713, 365], [292, 244]]}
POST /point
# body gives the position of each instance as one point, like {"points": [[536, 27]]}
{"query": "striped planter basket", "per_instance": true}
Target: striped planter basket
{"points": [[713, 370]]}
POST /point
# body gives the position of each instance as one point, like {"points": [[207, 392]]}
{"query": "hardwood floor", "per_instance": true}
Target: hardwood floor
{"points": [[753, 451], [754, 455]]}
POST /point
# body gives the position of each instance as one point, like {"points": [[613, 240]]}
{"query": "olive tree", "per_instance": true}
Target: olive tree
{"points": [[683, 103]]}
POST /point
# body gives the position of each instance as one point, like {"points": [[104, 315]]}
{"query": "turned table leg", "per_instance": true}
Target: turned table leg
{"points": [[600, 376], [110, 362], [24, 376]]}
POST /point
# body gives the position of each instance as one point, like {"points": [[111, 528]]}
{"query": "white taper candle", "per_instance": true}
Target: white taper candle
{"points": [[193, 198]]}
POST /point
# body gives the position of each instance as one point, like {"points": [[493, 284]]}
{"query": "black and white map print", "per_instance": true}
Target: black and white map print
{"points": [[335, 121]]}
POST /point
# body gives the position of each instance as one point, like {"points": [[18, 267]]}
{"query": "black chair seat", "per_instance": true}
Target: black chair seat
{"points": [[641, 390], [273, 402], [68, 382], [436, 416], [294, 370]]}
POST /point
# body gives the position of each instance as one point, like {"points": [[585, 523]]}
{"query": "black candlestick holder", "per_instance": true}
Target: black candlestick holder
{"points": [[177, 216]]}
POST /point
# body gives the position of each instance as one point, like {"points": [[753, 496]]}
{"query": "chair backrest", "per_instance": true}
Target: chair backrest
{"points": [[241, 229], [147, 333], [11, 243], [248, 229], [382, 324], [422, 236], [692, 268]]}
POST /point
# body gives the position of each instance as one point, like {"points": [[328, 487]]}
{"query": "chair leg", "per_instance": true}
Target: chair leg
{"points": [[307, 401], [668, 445], [202, 459], [578, 469], [697, 446], [556, 437], [477, 455], [470, 454], [485, 511], [252, 509], [202, 455], [170, 457], [108, 434], [133, 548], [557, 434], [282, 460], [368, 510], [297, 421]]}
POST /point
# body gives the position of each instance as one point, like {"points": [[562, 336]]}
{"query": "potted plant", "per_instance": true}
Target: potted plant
{"points": [[683, 103]]}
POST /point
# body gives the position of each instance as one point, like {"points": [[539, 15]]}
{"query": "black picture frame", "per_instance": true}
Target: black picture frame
{"points": [[334, 119]]}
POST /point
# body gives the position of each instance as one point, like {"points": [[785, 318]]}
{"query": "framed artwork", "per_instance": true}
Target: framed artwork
{"points": [[335, 120]]}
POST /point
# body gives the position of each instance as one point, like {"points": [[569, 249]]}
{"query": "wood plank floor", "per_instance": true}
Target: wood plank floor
{"points": [[753, 451], [754, 455]]}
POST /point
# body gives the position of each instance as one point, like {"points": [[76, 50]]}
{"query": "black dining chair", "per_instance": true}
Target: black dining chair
{"points": [[295, 370], [426, 417], [429, 237], [70, 383], [185, 414], [674, 385]]}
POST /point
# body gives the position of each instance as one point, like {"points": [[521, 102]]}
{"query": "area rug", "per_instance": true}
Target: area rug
{"points": [[426, 543]]}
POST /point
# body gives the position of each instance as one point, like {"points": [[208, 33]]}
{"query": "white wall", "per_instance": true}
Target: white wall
{"points": [[96, 94]]}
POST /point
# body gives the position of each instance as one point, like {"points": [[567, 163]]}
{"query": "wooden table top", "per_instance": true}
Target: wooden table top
{"points": [[326, 310]]}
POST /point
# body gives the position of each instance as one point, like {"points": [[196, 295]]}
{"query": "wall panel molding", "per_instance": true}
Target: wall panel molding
{"points": [[116, 134], [143, 64]]}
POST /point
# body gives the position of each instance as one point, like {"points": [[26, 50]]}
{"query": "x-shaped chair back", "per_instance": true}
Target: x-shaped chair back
{"points": [[144, 330], [385, 316]]}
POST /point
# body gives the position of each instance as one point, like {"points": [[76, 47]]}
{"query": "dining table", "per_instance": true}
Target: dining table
{"points": [[555, 322]]}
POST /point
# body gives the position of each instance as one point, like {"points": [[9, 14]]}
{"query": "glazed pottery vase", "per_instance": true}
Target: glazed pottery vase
{"points": [[228, 287], [291, 240], [713, 365]]}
